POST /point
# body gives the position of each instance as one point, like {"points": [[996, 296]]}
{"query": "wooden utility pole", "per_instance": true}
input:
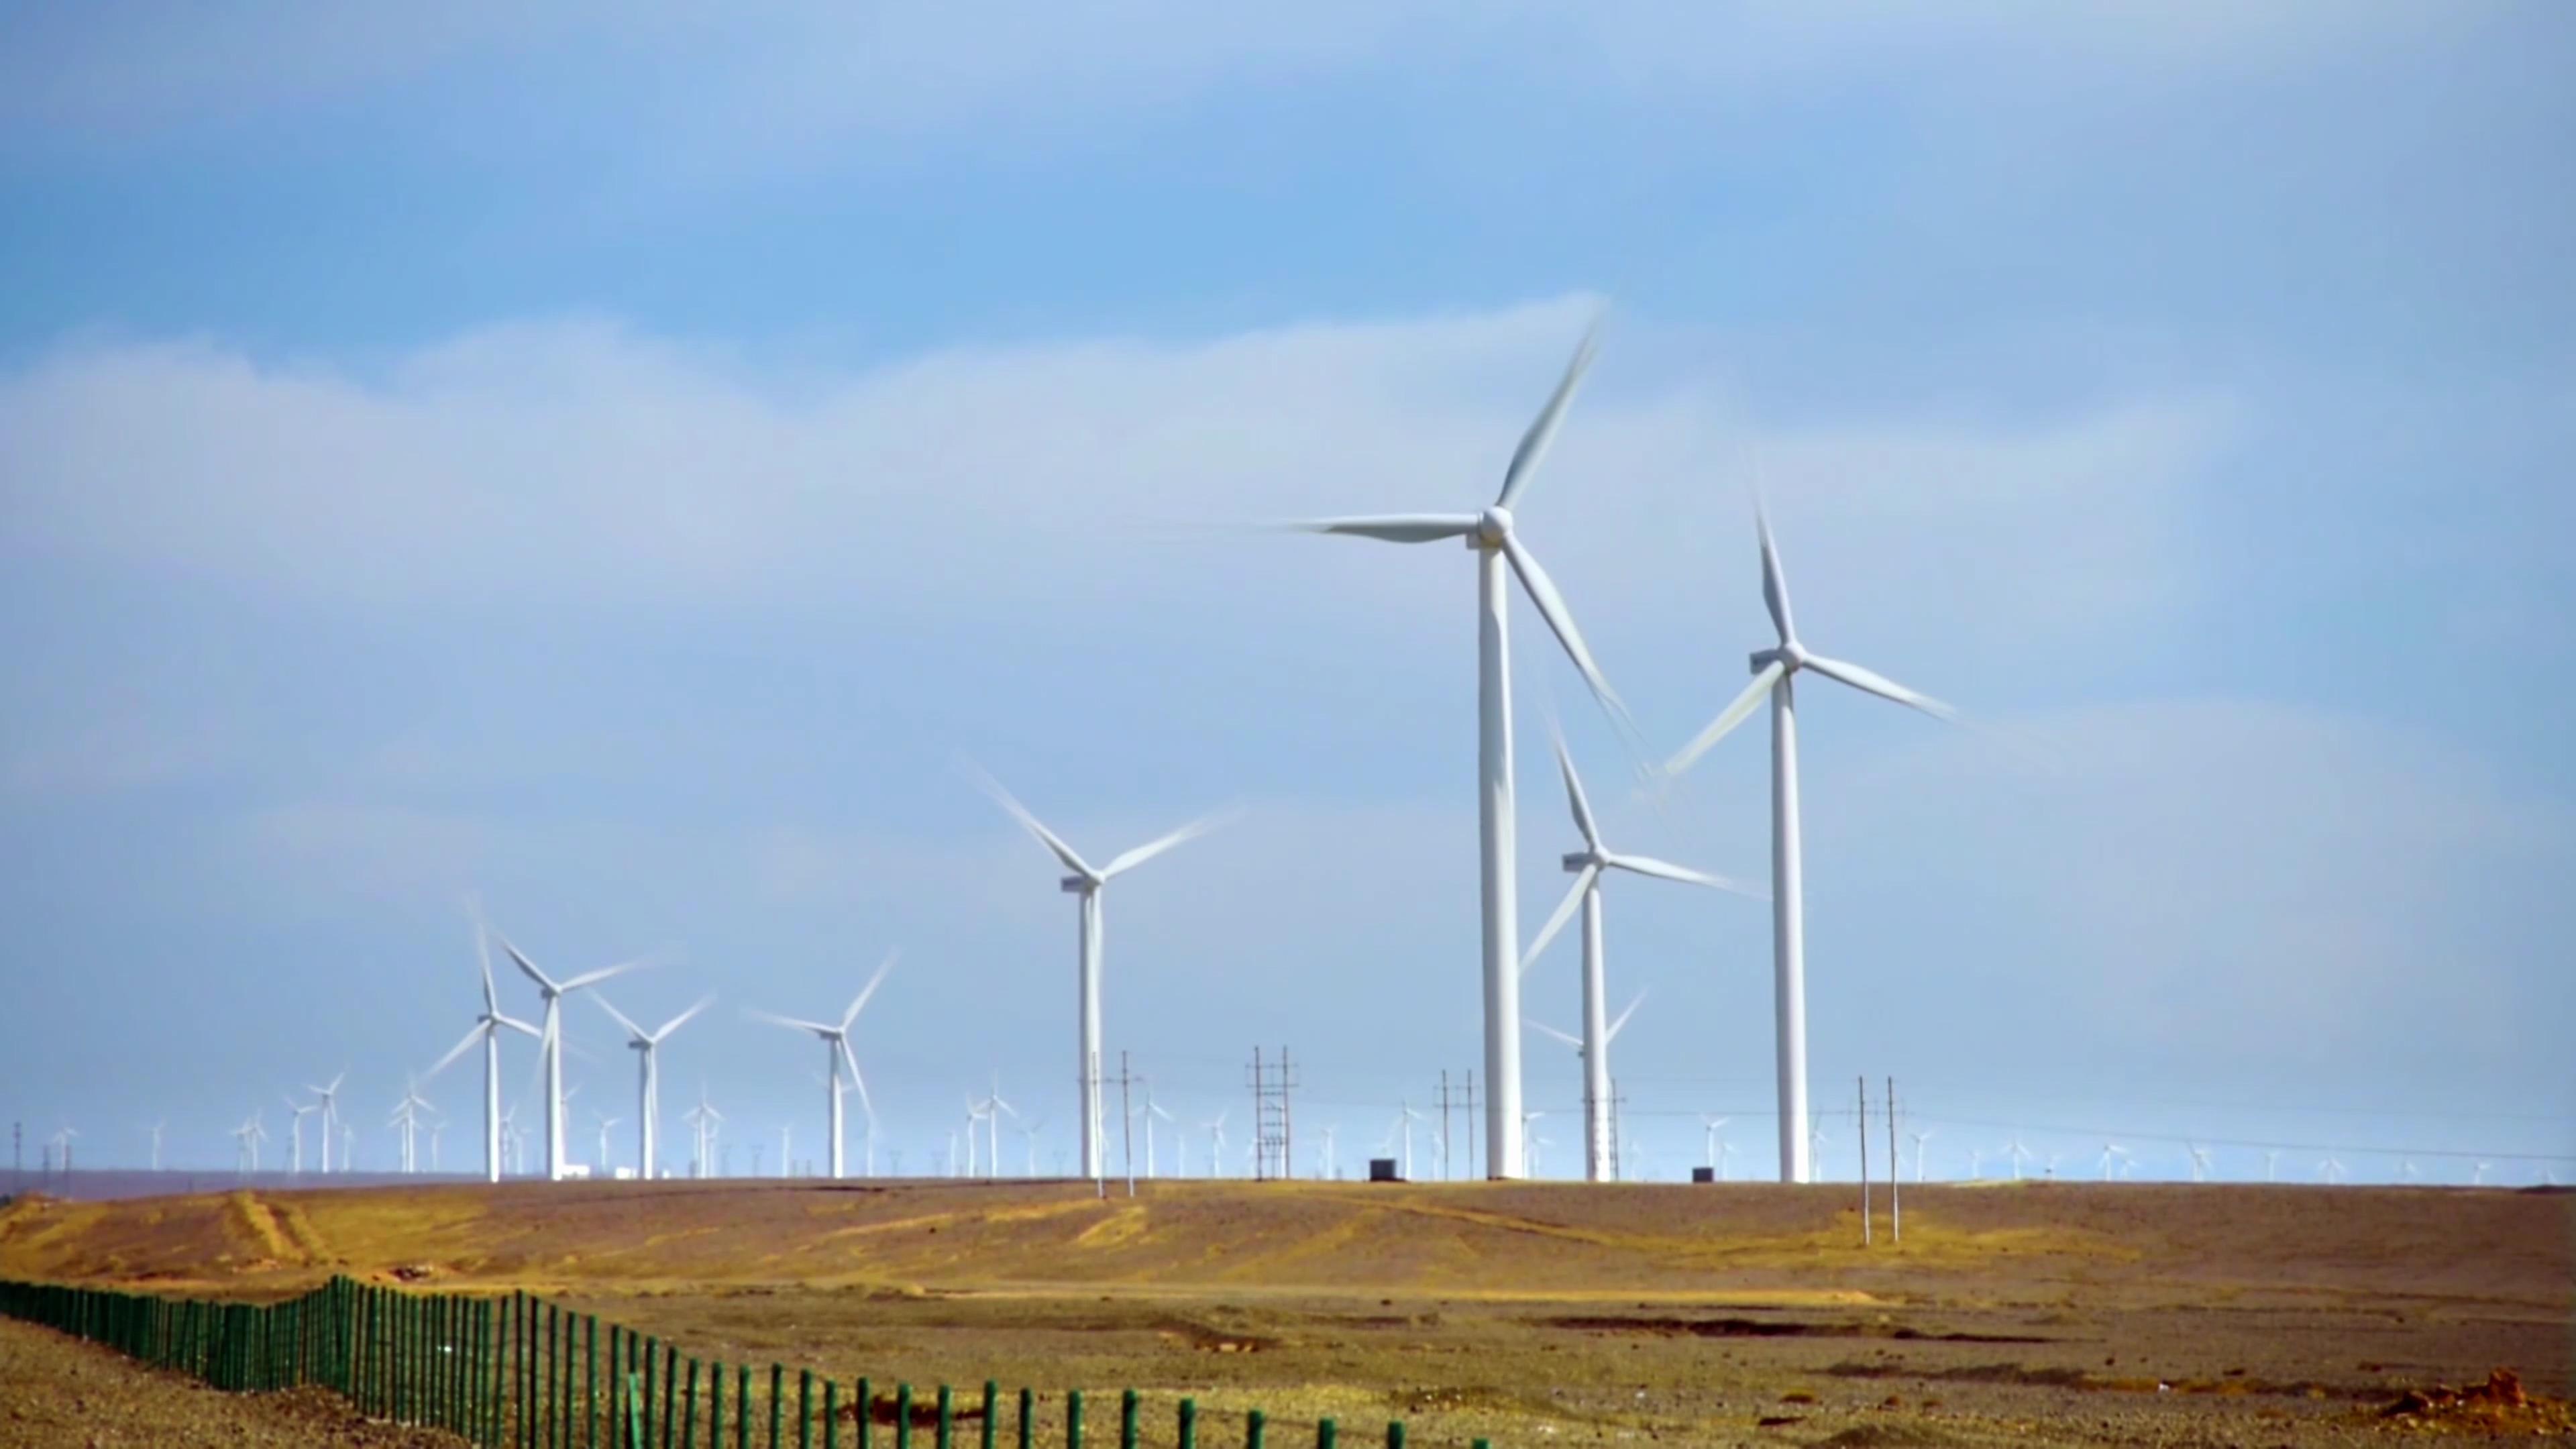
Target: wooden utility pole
{"points": [[1863, 1135], [1895, 1172]]}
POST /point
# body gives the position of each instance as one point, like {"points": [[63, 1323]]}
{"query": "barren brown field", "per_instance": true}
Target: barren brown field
{"points": [[1527, 1313]]}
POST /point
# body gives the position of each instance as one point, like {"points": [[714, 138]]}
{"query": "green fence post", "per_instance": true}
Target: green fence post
{"points": [[634, 1409], [946, 1413], [1253, 1423], [670, 1390], [804, 1409], [1324, 1434], [831, 1413], [742, 1407], [715, 1405], [992, 1404], [590, 1379], [1127, 1420], [777, 1401], [1073, 1419], [689, 1409], [1395, 1434], [902, 1415], [1189, 1429], [867, 1407], [1028, 1418]]}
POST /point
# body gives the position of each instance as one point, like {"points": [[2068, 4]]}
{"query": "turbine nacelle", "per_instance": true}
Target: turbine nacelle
{"points": [[1075, 885], [1580, 861], [1791, 657], [1492, 527]]}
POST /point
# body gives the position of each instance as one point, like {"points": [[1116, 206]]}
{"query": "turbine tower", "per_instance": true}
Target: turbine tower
{"points": [[550, 1040], [330, 1096], [1588, 866], [1492, 536], [487, 1028], [1087, 881], [1594, 1049], [836, 1048], [1773, 671], [648, 1085]]}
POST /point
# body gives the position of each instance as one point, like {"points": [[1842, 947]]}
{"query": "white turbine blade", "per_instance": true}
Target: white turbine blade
{"points": [[619, 1017], [521, 1027], [819, 1028], [1583, 820], [1775, 583], [1613, 1033], [1143, 853], [859, 1002], [1735, 713], [1564, 913], [858, 1079], [459, 1049], [1666, 870], [1395, 527], [1032, 825], [675, 1023], [1870, 682], [1542, 429], [483, 952], [543, 981], [1560, 620], [1567, 1037], [593, 978]]}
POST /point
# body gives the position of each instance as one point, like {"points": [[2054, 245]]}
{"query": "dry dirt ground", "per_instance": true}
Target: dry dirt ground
{"points": [[2037, 1313]]}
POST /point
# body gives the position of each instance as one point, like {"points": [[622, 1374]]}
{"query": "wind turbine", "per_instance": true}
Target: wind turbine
{"points": [[2199, 1162], [1710, 1125], [1597, 1165], [1494, 538], [2111, 1152], [1529, 1120], [994, 1107], [836, 1050], [1773, 671], [156, 1129], [487, 1028], [330, 1096], [1404, 1120], [1588, 866], [258, 1134], [550, 1040], [976, 1112], [1087, 881], [1919, 1139], [2017, 1152], [605, 1122], [648, 1079], [245, 1154], [1152, 1110], [1216, 1144], [704, 1118], [295, 1132], [1029, 1133]]}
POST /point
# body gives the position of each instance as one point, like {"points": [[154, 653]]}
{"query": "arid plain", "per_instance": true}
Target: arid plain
{"points": [[2037, 1312]]}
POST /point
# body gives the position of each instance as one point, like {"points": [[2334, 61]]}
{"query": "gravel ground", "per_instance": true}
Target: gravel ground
{"points": [[57, 1392]]}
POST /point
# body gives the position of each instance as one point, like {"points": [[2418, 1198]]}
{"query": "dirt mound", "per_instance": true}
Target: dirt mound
{"points": [[1892, 1436], [2501, 1405]]}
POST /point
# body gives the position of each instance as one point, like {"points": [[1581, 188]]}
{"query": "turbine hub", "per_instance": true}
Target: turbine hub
{"points": [[1493, 526], [1576, 863]]}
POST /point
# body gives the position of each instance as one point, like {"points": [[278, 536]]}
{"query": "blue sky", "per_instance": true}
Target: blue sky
{"points": [[615, 460]]}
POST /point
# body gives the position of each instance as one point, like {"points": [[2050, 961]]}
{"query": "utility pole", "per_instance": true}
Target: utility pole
{"points": [[1618, 1104], [1895, 1171], [1444, 1124], [1862, 1132], [895, 1158], [1126, 1124], [1471, 1125], [1287, 1124]]}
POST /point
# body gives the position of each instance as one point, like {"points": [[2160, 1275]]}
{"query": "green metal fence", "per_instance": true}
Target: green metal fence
{"points": [[518, 1372]]}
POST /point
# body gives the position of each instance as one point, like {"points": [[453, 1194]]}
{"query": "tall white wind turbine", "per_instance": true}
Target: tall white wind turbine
{"points": [[1493, 537], [295, 1127], [1088, 881], [550, 1039], [330, 1096], [487, 1029], [1588, 866], [836, 1048], [647, 1046], [1773, 671], [1597, 1132], [156, 1129]]}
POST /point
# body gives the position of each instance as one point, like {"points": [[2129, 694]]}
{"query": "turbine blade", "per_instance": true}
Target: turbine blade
{"points": [[1395, 527], [1583, 820], [1872, 682], [521, 1027], [459, 1049], [1542, 429], [859, 1002], [1143, 853], [1567, 1037], [619, 1017], [1775, 583], [858, 1079], [1666, 870], [1728, 718], [593, 978], [543, 981], [1613, 1033], [1564, 912], [483, 951], [1560, 620], [675, 1023], [1030, 823], [820, 1028]]}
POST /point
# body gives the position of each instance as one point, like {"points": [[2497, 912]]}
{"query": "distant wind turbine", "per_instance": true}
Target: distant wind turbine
{"points": [[1773, 671], [1709, 1126], [156, 1129], [295, 1133], [330, 1096], [1589, 866], [836, 1050], [1088, 882], [647, 1046], [1493, 536], [487, 1029], [550, 1039], [1919, 1139], [1597, 1165]]}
